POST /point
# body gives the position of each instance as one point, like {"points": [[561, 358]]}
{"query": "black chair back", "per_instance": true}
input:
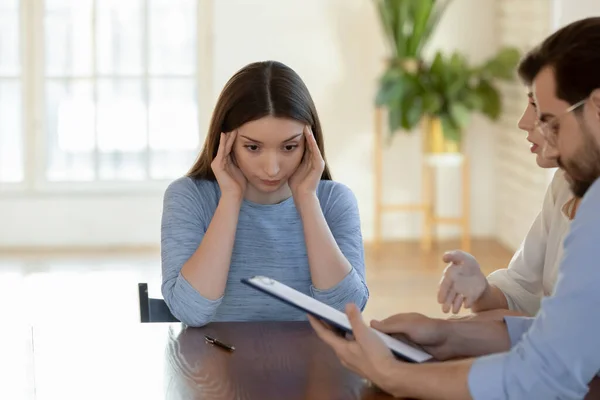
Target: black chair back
{"points": [[153, 310]]}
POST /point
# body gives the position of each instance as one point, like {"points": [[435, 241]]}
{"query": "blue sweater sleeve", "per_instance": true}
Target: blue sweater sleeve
{"points": [[184, 223], [341, 213]]}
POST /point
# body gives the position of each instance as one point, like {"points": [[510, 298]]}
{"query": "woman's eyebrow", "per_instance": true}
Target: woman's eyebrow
{"points": [[292, 138], [250, 139], [259, 142]]}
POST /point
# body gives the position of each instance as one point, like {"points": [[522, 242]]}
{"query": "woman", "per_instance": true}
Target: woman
{"points": [[532, 272], [260, 201]]}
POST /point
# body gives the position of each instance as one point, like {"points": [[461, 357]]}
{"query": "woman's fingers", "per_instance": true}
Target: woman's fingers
{"points": [[457, 303], [469, 301], [316, 156], [221, 148], [445, 285], [449, 300], [230, 140]]}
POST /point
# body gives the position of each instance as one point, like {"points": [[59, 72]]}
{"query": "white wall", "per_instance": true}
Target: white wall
{"points": [[566, 11], [521, 184], [80, 220], [337, 48]]}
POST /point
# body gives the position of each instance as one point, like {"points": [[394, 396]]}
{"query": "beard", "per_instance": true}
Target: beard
{"points": [[584, 167]]}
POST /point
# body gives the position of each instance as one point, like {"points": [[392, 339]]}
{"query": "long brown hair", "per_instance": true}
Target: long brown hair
{"points": [[260, 89]]}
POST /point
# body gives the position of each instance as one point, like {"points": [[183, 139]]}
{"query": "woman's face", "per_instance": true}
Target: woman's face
{"points": [[268, 151], [527, 124]]}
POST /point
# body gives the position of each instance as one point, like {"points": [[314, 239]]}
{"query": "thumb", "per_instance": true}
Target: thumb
{"points": [[396, 326], [456, 257], [359, 329]]}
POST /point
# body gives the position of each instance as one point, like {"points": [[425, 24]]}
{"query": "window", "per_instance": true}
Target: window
{"points": [[120, 89], [11, 103], [113, 85]]}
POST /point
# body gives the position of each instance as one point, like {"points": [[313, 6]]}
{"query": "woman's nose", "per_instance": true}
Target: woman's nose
{"points": [[272, 165]]}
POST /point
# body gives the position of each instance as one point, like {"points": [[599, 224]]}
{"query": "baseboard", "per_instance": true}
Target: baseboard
{"points": [[75, 250]]}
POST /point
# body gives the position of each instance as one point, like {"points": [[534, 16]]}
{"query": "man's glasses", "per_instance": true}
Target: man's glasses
{"points": [[549, 129]]}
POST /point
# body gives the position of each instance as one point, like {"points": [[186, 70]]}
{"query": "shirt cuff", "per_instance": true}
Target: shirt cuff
{"points": [[517, 327], [189, 295], [189, 306], [486, 377], [351, 289]]}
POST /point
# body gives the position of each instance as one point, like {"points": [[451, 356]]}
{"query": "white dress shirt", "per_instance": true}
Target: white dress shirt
{"points": [[533, 270]]}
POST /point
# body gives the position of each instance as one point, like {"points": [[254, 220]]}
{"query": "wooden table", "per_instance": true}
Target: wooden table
{"points": [[73, 360], [272, 360]]}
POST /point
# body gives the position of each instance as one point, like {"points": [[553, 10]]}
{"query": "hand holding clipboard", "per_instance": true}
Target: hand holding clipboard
{"points": [[404, 350]]}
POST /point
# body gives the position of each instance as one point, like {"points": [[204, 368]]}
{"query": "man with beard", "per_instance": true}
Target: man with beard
{"points": [[556, 354]]}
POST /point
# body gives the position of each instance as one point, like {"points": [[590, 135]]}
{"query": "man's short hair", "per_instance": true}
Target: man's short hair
{"points": [[573, 52]]}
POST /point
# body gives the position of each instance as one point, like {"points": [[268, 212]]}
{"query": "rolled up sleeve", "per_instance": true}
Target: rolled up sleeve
{"points": [[187, 305], [517, 327], [343, 218], [351, 289], [182, 230]]}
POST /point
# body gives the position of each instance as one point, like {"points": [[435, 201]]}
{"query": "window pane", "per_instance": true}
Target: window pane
{"points": [[174, 137], [68, 37], [120, 36], [9, 4], [99, 124], [122, 133], [10, 63], [11, 133], [70, 115], [172, 53]]}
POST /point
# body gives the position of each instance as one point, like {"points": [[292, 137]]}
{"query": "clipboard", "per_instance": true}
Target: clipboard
{"points": [[404, 350]]}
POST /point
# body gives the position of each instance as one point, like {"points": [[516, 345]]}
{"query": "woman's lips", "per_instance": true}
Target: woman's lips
{"points": [[534, 148], [270, 183]]}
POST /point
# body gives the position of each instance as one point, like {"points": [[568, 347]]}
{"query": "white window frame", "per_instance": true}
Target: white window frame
{"points": [[34, 133], [12, 187]]}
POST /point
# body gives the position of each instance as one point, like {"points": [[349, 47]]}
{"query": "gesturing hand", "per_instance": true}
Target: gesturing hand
{"points": [[462, 282], [231, 180]]}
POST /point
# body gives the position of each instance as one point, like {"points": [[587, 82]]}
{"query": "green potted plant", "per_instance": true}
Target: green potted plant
{"points": [[440, 94]]}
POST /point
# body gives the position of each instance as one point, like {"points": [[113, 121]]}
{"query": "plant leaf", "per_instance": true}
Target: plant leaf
{"points": [[490, 99], [437, 66], [450, 128], [412, 112], [421, 11], [460, 115], [432, 102], [390, 88], [394, 118], [402, 19], [434, 20], [502, 66]]}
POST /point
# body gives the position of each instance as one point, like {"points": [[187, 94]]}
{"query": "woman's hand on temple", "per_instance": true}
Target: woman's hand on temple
{"points": [[306, 178], [231, 180]]}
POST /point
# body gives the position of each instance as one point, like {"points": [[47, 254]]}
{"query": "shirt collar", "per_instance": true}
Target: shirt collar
{"points": [[568, 208]]}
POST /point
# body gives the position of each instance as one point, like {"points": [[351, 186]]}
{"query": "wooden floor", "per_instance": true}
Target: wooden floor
{"points": [[402, 278], [56, 285]]}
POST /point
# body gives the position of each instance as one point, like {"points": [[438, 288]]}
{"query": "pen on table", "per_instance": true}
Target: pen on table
{"points": [[217, 342]]}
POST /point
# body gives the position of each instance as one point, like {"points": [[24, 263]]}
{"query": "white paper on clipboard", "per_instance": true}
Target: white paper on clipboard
{"points": [[329, 314]]}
